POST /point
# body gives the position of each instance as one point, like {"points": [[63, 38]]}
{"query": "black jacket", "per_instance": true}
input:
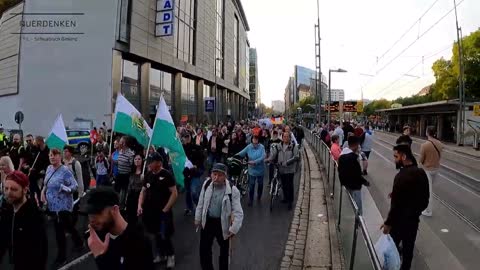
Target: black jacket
{"points": [[195, 155], [27, 247], [409, 196], [350, 172], [220, 144], [129, 251], [235, 147]]}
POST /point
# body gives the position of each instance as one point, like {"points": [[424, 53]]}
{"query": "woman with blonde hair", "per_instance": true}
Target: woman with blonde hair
{"points": [[6, 167]]}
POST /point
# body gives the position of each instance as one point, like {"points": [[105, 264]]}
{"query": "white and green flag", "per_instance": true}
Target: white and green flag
{"points": [[57, 138], [165, 135], [129, 121]]}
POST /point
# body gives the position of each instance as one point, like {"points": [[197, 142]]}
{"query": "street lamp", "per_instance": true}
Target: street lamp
{"points": [[330, 90], [215, 87]]}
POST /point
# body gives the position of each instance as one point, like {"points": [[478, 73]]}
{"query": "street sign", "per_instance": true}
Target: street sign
{"points": [[210, 104], [19, 117], [164, 18]]}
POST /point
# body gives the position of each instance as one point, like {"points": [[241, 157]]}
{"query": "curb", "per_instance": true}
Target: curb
{"points": [[313, 241], [294, 252]]}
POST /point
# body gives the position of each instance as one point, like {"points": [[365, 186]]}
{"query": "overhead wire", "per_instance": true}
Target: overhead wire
{"points": [[381, 92]]}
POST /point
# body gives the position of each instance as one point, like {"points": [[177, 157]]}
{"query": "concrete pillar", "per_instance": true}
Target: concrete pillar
{"points": [[422, 126], [177, 101], [145, 90], [440, 127], [116, 79], [200, 102], [236, 107], [213, 93]]}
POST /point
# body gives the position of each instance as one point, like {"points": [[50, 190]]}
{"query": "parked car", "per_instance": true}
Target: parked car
{"points": [[79, 139]]}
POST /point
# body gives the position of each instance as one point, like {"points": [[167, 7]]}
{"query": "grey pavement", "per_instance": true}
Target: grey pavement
{"points": [[259, 245]]}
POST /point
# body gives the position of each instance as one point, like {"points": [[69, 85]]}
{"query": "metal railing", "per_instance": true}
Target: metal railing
{"points": [[359, 254]]}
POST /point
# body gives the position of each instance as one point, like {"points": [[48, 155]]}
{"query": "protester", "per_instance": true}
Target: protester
{"points": [[215, 145], [350, 172], [57, 194], [114, 160], [75, 167], [335, 150], [274, 143], [339, 132], [430, 156], [157, 198], [101, 145], [256, 168], [22, 227], [292, 136], [3, 141], [201, 139], [405, 137], [6, 167], [125, 163], [134, 189], [287, 155], [409, 197], [366, 142], [27, 160], [39, 167], [114, 243], [101, 167], [17, 151], [219, 214], [192, 175]]}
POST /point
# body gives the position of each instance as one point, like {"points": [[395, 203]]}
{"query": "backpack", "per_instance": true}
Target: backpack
{"points": [[207, 184]]}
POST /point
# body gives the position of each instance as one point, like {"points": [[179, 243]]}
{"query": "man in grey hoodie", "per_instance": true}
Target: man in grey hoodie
{"points": [[287, 155]]}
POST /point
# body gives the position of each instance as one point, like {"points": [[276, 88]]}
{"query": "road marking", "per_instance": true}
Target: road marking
{"points": [[446, 204], [446, 150], [443, 165], [440, 174]]}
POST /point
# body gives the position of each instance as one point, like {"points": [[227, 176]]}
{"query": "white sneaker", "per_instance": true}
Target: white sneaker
{"points": [[171, 261], [427, 213], [157, 259]]}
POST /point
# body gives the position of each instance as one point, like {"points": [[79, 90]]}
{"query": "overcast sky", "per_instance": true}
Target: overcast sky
{"points": [[354, 33]]}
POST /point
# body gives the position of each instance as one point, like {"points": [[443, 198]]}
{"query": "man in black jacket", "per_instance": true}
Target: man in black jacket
{"points": [[192, 175], [22, 227], [117, 245], [350, 172], [409, 198]]}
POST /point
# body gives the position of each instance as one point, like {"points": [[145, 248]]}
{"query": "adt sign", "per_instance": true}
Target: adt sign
{"points": [[164, 18]]}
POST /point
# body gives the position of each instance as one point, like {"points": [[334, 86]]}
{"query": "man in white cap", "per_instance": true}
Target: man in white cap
{"points": [[219, 214]]}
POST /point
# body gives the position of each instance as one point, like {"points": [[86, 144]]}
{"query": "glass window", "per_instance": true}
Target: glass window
{"points": [[247, 67], [219, 38], [184, 35], [130, 89], [235, 50], [189, 104]]}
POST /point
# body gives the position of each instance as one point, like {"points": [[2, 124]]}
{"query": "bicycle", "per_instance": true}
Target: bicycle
{"points": [[275, 187], [238, 170]]}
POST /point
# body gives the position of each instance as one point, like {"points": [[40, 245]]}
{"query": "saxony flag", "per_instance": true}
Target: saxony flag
{"points": [[57, 138], [129, 121], [165, 135]]}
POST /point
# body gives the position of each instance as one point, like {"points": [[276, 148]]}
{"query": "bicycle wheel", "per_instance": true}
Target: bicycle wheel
{"points": [[243, 183], [273, 192]]}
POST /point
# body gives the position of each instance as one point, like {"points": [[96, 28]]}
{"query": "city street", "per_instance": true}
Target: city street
{"points": [[451, 238], [259, 245]]}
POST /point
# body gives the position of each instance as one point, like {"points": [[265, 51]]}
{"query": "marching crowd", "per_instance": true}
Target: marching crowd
{"points": [[130, 203]]}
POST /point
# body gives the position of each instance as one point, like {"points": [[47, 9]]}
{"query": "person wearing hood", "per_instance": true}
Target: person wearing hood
{"points": [[22, 226], [350, 172]]}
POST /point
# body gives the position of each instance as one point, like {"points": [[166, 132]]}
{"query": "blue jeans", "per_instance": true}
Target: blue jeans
{"points": [[357, 197], [251, 185], [102, 180], [192, 192]]}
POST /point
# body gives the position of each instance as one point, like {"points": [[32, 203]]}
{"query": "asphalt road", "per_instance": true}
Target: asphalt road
{"points": [[451, 238], [259, 245]]}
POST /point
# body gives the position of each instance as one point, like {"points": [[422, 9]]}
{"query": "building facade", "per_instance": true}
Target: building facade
{"points": [[336, 95], [254, 88], [114, 47], [278, 106]]}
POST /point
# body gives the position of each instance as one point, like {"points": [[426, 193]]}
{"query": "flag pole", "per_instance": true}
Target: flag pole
{"points": [[111, 136], [151, 137]]}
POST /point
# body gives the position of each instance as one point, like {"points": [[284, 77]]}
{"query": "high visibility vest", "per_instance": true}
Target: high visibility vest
{"points": [[3, 140]]}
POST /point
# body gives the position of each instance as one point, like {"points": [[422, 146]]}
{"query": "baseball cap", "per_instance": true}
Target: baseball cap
{"points": [[220, 167], [101, 198], [155, 156], [19, 178]]}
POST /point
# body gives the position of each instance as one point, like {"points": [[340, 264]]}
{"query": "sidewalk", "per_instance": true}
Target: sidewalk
{"points": [[465, 150], [312, 241]]}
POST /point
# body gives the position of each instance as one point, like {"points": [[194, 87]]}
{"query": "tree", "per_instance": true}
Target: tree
{"points": [[376, 105], [305, 104], [447, 71]]}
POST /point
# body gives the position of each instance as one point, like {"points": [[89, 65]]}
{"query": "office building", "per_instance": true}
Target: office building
{"points": [[77, 64], [254, 88]]}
